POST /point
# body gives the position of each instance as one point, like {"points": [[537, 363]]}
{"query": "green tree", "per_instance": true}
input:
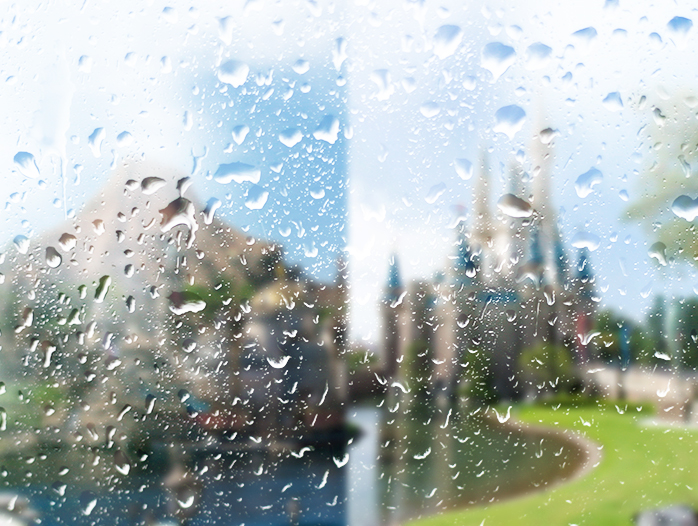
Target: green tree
{"points": [[548, 366]]}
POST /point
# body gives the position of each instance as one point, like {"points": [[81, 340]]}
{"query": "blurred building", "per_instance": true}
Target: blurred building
{"points": [[508, 286]]}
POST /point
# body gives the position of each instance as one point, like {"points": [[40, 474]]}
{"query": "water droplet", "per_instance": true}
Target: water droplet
{"points": [[185, 301], [256, 197], [98, 226], [225, 29], [280, 363], [429, 109], [613, 102], [537, 56], [183, 395], [339, 53], [435, 192], [679, 28], [212, 205], [238, 172], [233, 72], [26, 164], [509, 120], [53, 258], [584, 185], [102, 288], [341, 462], [685, 207], [85, 64], [658, 252], [189, 345], [447, 40], [150, 185], [124, 139], [503, 418], [131, 304], [59, 488], [586, 240], [290, 137], [514, 206], [186, 497], [67, 242], [496, 58], [21, 243], [585, 37], [381, 77], [464, 168], [180, 212], [301, 66], [3, 419], [424, 455], [327, 130], [95, 141], [88, 501], [239, 133], [548, 135]]}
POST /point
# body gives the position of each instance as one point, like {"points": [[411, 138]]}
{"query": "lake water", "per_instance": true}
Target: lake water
{"points": [[410, 459]]}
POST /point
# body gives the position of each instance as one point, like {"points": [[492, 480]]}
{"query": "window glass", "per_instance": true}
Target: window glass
{"points": [[348, 262]]}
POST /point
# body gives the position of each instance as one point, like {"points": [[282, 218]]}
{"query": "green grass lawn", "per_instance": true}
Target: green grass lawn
{"points": [[642, 467]]}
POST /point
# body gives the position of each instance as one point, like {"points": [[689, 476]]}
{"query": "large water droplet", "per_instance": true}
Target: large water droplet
{"points": [[381, 77], [150, 185], [256, 197], [301, 66], [185, 301], [464, 168], [280, 363], [233, 72], [447, 40], [584, 185], [685, 207], [21, 243], [26, 164], [435, 192], [497, 57], [327, 130], [658, 252], [212, 205], [181, 211], [514, 206], [95, 141], [509, 120], [339, 53], [290, 137], [537, 56], [613, 101], [121, 463], [678, 29], [429, 109], [102, 288], [239, 133], [53, 258], [584, 37], [238, 172], [88, 501], [586, 240], [67, 242]]}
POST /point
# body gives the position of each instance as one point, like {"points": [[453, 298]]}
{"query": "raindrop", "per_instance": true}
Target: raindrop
{"points": [[586, 240], [339, 53], [131, 304], [585, 183], [613, 102], [233, 72], [585, 36], [88, 501], [290, 137], [95, 141], [256, 197], [121, 463], [327, 130], [679, 28], [85, 64], [658, 252], [180, 212], [102, 288], [381, 77], [447, 40], [21, 243], [341, 462], [53, 258], [301, 66], [514, 206], [280, 363], [429, 109], [464, 168], [509, 120], [185, 301], [98, 226], [150, 185], [496, 58], [239, 133], [685, 207], [26, 164], [3, 419], [212, 205], [435, 192], [124, 139], [188, 345], [537, 56], [503, 418], [238, 172], [67, 242]]}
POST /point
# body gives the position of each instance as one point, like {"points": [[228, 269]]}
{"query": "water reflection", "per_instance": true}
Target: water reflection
{"points": [[413, 457]]}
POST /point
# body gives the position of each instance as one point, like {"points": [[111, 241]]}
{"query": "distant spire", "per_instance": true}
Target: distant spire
{"points": [[394, 281]]}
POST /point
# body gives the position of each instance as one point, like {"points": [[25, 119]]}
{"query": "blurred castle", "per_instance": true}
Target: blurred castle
{"points": [[508, 286]]}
